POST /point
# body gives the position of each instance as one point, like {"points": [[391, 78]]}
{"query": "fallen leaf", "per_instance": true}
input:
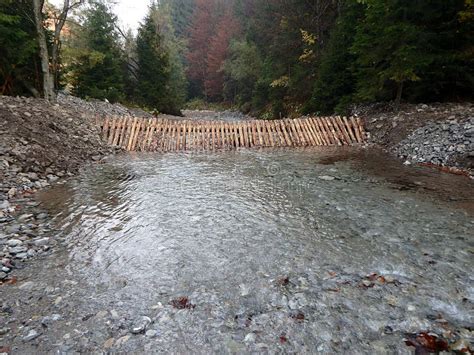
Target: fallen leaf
{"points": [[283, 281], [182, 303], [299, 316], [427, 342]]}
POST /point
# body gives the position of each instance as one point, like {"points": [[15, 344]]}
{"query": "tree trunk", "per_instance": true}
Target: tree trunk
{"points": [[398, 99], [48, 82], [57, 40]]}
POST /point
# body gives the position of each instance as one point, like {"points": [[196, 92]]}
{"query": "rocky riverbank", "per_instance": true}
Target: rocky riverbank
{"points": [[40, 144], [441, 135]]}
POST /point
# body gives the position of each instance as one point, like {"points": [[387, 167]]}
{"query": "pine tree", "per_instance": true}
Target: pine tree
{"points": [[156, 82], [174, 47], [389, 49], [447, 41], [417, 47], [98, 68], [18, 49], [181, 12], [336, 81]]}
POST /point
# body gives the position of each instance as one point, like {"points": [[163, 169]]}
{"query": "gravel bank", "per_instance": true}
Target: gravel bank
{"points": [[435, 134], [40, 144], [98, 107]]}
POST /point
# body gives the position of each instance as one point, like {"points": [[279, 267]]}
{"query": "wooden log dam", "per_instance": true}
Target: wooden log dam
{"points": [[155, 134]]}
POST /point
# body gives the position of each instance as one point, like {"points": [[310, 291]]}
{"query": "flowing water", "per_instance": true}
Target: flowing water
{"points": [[310, 250]]}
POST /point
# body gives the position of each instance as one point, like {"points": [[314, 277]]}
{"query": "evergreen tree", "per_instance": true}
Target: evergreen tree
{"points": [[336, 81], [181, 12], [418, 44], [158, 87], [448, 42], [98, 68], [18, 49], [174, 46]]}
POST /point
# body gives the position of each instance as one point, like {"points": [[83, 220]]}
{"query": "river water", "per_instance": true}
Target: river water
{"points": [[303, 250]]}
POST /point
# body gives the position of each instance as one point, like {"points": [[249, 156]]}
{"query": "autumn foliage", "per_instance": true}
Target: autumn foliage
{"points": [[211, 31]]}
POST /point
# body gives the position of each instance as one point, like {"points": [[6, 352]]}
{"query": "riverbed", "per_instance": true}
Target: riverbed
{"points": [[301, 250]]}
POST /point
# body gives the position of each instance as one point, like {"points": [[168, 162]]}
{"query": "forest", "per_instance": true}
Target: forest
{"points": [[270, 58]]}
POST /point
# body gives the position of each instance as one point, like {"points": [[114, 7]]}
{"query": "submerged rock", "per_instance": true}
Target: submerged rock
{"points": [[140, 325]]}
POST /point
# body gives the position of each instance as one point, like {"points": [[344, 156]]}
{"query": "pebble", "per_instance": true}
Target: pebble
{"points": [[32, 334], [17, 250], [49, 319], [326, 177], [109, 343], [122, 340], [14, 242], [250, 338], [25, 217], [41, 241], [140, 325], [42, 215], [244, 290], [151, 333], [440, 142], [28, 285]]}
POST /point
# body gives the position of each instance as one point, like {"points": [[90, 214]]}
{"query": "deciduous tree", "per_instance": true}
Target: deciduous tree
{"points": [[226, 29]]}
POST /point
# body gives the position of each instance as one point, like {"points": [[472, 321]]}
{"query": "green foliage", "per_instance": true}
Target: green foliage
{"points": [[160, 73], [153, 71], [242, 68], [327, 55], [417, 46], [283, 56], [18, 48], [336, 82], [387, 48], [174, 46], [96, 70]]}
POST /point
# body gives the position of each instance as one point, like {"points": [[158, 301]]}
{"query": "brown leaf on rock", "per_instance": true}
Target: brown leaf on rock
{"points": [[283, 281], [182, 303], [298, 316], [425, 342], [13, 280], [381, 279]]}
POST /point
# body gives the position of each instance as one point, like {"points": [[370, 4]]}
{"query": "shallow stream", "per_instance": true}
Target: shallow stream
{"points": [[309, 250]]}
